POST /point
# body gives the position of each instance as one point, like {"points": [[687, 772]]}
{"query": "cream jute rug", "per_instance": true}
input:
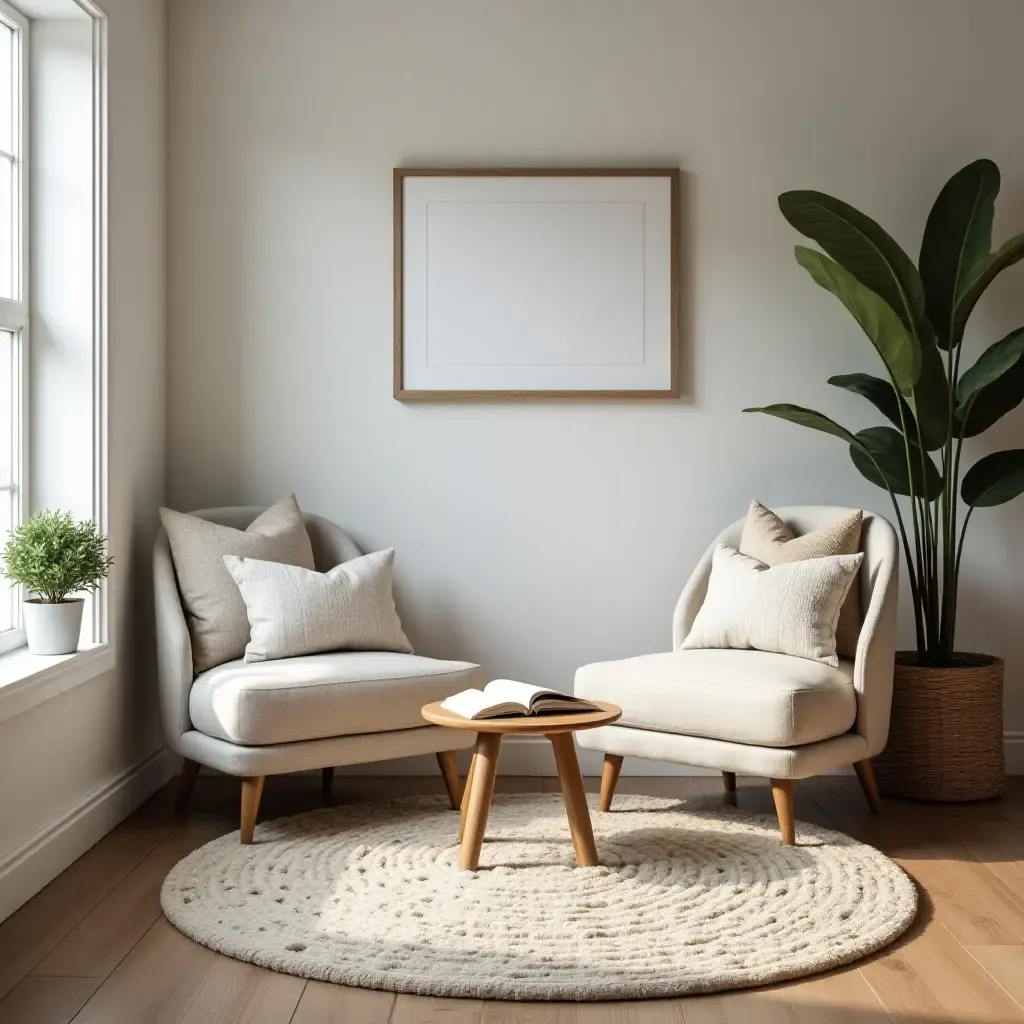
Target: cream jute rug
{"points": [[686, 901]]}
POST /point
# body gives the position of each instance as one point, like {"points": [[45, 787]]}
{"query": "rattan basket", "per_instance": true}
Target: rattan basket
{"points": [[946, 731]]}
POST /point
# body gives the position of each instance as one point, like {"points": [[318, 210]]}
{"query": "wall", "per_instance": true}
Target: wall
{"points": [[85, 757], [535, 537]]}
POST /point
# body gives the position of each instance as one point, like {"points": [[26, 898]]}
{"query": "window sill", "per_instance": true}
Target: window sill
{"points": [[27, 680]]}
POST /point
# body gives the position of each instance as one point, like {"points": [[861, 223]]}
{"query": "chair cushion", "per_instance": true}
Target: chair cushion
{"points": [[322, 695], [770, 700]]}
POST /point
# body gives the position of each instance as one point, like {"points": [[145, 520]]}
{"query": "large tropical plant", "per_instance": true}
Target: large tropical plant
{"points": [[915, 318]]}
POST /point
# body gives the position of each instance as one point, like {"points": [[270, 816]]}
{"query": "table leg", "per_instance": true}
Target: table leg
{"points": [[575, 799], [465, 797], [488, 745]]}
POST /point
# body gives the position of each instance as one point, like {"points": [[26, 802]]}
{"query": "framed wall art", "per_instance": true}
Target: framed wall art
{"points": [[536, 283]]}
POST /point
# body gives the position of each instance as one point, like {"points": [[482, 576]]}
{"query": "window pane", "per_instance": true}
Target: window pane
{"points": [[7, 90], [8, 208], [8, 436]]}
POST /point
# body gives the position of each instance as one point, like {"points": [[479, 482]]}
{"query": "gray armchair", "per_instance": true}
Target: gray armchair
{"points": [[295, 714]]}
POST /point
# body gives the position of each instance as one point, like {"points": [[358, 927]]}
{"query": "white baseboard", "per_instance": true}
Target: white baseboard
{"points": [[1014, 745], [27, 867]]}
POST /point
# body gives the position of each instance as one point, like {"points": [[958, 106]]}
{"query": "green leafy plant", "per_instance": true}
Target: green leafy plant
{"points": [[54, 557], [915, 318]]}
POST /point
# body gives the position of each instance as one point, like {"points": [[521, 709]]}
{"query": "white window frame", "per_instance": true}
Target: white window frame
{"points": [[14, 313]]}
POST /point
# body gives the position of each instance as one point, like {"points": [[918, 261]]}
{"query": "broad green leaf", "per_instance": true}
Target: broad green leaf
{"points": [[931, 395], [807, 418], [880, 393], [888, 447], [860, 246], [992, 386], [898, 348], [995, 479], [1006, 255], [957, 239]]}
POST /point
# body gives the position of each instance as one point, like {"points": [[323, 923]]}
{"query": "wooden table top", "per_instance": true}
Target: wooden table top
{"points": [[545, 724]]}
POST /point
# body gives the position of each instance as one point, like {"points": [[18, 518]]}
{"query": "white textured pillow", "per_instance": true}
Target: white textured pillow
{"points": [[788, 609], [213, 608], [294, 611]]}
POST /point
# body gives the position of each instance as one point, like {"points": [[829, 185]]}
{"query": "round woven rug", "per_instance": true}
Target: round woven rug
{"points": [[685, 901]]}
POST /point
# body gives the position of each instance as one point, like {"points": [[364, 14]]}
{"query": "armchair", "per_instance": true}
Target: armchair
{"points": [[295, 714], [753, 712]]}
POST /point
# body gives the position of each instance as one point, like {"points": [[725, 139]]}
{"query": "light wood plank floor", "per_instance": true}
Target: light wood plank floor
{"points": [[93, 947]]}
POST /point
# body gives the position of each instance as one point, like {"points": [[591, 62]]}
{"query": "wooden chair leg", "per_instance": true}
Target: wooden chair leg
{"points": [[729, 779], [782, 791], [609, 779], [326, 782], [450, 772], [252, 790], [866, 774], [186, 783]]}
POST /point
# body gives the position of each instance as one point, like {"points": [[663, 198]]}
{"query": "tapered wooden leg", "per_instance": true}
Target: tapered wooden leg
{"points": [[609, 778], [782, 791], [450, 771], [575, 799], [252, 790], [729, 779], [186, 782], [866, 774], [326, 782], [485, 767], [465, 797]]}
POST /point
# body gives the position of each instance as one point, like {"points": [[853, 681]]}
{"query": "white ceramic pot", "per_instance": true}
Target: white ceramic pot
{"points": [[53, 628]]}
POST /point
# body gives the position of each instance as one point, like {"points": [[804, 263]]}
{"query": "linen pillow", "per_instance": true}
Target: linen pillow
{"points": [[788, 609], [294, 611], [768, 539], [214, 609]]}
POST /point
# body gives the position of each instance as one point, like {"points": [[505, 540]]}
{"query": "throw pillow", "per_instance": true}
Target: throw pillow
{"points": [[214, 609], [789, 609], [768, 539], [294, 611]]}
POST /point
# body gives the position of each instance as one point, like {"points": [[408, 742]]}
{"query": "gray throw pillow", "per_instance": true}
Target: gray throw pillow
{"points": [[214, 609], [293, 611]]}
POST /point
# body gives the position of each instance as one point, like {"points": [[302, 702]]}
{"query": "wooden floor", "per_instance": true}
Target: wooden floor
{"points": [[93, 946]]}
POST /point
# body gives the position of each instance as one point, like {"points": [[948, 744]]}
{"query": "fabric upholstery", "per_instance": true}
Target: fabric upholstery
{"points": [[744, 758], [741, 696], [878, 581], [278, 758], [294, 611], [215, 611], [790, 609], [768, 539], [322, 695]]}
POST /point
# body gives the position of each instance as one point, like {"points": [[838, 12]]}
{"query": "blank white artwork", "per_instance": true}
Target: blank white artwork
{"points": [[537, 283]]}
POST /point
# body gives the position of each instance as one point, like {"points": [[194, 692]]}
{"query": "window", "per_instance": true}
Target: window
{"points": [[14, 311]]}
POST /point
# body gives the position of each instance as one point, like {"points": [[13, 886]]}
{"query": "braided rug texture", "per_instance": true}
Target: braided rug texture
{"points": [[685, 901]]}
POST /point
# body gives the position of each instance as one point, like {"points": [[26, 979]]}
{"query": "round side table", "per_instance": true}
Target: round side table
{"points": [[476, 799]]}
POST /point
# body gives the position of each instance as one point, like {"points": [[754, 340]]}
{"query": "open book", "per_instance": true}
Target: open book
{"points": [[507, 697]]}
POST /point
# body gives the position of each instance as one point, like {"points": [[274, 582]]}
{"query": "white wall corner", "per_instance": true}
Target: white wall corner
{"points": [[33, 863]]}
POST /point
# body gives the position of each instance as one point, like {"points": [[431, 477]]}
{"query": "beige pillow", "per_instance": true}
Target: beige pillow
{"points": [[213, 606], [789, 609], [293, 611], [768, 539]]}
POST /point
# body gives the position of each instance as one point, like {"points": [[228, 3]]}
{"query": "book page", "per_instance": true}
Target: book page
{"points": [[467, 703], [509, 690]]}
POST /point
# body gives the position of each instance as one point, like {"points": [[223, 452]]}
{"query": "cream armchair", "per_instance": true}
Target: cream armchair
{"points": [[752, 712], [295, 714]]}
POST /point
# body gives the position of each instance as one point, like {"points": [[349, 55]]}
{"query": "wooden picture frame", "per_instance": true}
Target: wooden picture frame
{"points": [[632, 218]]}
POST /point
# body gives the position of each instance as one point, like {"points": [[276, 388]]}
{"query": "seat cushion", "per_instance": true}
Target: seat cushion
{"points": [[321, 695], [770, 700]]}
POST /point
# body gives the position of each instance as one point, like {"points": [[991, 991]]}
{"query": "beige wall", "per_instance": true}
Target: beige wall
{"points": [[84, 744], [535, 537]]}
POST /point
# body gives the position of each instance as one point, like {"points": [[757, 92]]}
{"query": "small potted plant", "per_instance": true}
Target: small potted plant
{"points": [[53, 558]]}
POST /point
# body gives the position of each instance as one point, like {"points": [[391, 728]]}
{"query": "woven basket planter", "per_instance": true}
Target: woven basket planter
{"points": [[946, 731]]}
